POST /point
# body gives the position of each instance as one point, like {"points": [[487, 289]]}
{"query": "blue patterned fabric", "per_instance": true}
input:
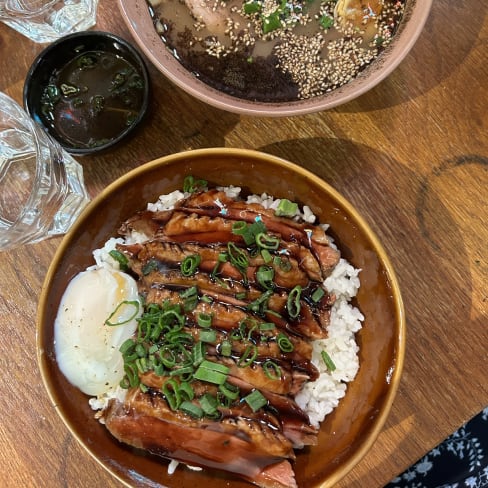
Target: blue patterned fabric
{"points": [[461, 461]]}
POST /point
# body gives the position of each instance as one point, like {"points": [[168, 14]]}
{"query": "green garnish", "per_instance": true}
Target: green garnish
{"points": [[150, 266], [248, 357], [191, 409], [284, 342], [204, 320], [271, 22], [192, 185], [266, 241], [286, 208], [189, 265], [264, 276], [293, 302], [134, 304], [326, 21], [120, 258], [209, 336], [272, 370], [255, 400], [211, 372], [328, 361], [252, 7], [318, 294]]}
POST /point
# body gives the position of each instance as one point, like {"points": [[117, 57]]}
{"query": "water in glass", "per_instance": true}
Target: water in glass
{"points": [[41, 186], [46, 20]]}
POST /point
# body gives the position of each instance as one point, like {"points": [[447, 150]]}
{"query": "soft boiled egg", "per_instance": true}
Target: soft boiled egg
{"points": [[87, 349]]}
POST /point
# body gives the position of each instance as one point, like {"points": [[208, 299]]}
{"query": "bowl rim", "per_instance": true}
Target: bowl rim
{"points": [[93, 34], [400, 320], [224, 101]]}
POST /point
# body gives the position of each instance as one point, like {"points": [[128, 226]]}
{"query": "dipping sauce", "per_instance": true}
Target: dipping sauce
{"points": [[276, 50], [92, 99]]}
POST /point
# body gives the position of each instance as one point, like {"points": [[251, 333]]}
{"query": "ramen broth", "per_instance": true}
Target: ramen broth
{"points": [[274, 50]]}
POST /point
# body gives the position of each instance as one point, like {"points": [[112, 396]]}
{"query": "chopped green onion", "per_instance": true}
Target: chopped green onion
{"points": [[286, 208], [266, 326], [238, 257], [266, 255], [191, 409], [140, 350], [284, 342], [264, 276], [150, 266], [208, 335], [283, 263], [159, 369], [120, 258], [226, 348], [189, 265], [248, 357], [272, 370], [190, 298], [215, 366], [167, 356], [186, 390], [271, 22], [255, 400], [328, 361], [211, 372], [132, 374], [326, 21], [258, 305], [223, 257], [318, 294], [267, 241], [119, 310], [239, 228], [204, 320], [198, 353], [192, 185], [229, 391], [293, 302], [172, 393], [184, 372], [127, 346], [241, 296], [209, 404], [252, 7]]}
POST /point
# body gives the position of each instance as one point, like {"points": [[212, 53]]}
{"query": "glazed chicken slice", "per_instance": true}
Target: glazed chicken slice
{"points": [[242, 445]]}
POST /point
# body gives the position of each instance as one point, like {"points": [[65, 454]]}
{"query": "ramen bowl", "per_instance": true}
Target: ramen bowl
{"points": [[348, 432], [140, 23]]}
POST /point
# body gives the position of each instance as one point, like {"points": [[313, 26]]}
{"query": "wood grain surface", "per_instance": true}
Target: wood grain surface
{"points": [[411, 155]]}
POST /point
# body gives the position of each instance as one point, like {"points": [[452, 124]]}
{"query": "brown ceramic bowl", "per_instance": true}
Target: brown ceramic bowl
{"points": [[139, 22], [347, 433]]}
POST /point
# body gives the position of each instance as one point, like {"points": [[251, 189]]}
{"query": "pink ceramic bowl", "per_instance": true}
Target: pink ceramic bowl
{"points": [[136, 15]]}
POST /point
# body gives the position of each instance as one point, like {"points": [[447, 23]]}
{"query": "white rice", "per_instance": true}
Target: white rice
{"points": [[320, 397]]}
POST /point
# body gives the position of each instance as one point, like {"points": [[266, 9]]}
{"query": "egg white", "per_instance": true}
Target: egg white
{"points": [[87, 350]]}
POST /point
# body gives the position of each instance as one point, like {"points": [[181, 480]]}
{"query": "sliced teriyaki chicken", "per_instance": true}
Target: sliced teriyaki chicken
{"points": [[242, 443], [233, 297]]}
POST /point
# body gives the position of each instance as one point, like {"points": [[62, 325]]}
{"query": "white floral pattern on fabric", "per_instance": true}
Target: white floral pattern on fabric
{"points": [[461, 461]]}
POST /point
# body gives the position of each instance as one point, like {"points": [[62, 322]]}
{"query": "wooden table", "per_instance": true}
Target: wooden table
{"points": [[411, 155]]}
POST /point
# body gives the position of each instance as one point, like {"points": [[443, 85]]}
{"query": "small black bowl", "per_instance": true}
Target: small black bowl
{"points": [[88, 90]]}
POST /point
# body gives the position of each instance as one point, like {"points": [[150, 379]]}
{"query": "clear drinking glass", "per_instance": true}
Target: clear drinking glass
{"points": [[41, 186], [47, 20]]}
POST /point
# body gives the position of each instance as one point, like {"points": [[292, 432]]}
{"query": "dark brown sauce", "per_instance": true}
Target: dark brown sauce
{"points": [[93, 99]]}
